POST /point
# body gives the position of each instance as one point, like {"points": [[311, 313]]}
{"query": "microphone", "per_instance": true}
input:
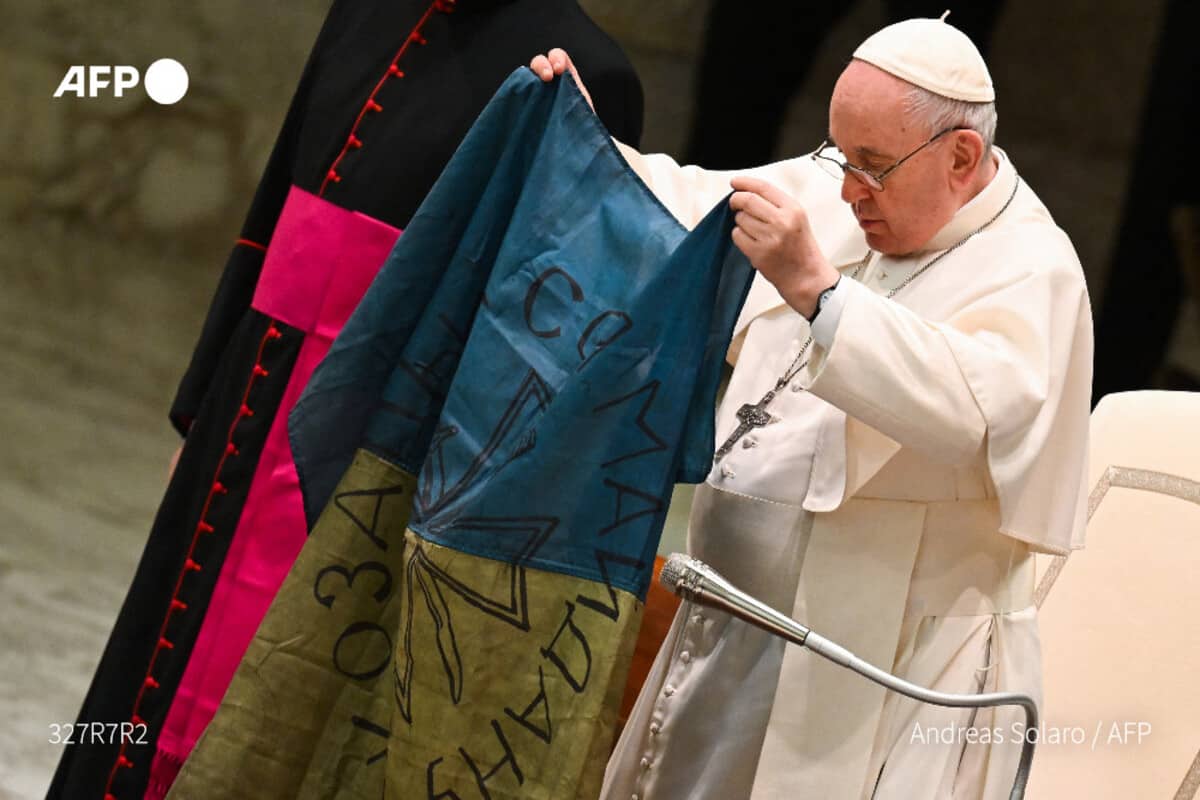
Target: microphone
{"points": [[693, 580], [696, 582]]}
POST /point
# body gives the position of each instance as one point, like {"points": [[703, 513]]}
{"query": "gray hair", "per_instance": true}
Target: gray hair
{"points": [[943, 112]]}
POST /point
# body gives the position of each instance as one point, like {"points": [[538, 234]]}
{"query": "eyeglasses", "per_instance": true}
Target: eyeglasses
{"points": [[838, 168]]}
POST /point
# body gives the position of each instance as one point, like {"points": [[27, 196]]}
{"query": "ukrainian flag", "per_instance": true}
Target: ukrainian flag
{"points": [[488, 452]]}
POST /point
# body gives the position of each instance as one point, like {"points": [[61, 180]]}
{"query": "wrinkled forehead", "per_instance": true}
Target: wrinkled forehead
{"points": [[870, 103]]}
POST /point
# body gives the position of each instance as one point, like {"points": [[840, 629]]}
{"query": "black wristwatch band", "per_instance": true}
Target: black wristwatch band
{"points": [[822, 299]]}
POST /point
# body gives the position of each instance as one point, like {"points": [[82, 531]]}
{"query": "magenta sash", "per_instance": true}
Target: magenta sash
{"points": [[319, 263]]}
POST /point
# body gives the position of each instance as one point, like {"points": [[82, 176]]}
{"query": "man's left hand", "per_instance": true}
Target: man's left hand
{"points": [[772, 229]]}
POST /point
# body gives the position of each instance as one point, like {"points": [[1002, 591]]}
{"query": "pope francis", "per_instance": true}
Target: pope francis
{"points": [[905, 425]]}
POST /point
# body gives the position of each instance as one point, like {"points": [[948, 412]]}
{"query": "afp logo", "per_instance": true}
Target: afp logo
{"points": [[166, 81]]}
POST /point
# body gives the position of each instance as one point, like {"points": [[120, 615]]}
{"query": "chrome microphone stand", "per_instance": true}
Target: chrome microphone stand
{"points": [[695, 581]]}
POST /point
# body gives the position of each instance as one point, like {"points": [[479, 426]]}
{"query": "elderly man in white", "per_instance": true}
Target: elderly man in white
{"points": [[905, 424]]}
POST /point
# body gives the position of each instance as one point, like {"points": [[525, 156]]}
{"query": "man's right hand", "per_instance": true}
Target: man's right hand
{"points": [[554, 63]]}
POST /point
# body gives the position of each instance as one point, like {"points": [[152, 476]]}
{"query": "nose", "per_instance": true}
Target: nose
{"points": [[853, 189]]}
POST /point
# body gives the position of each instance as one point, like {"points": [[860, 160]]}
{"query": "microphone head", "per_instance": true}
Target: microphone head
{"points": [[674, 570]]}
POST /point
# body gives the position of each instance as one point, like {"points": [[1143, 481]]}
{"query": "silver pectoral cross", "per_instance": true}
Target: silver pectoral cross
{"points": [[750, 417]]}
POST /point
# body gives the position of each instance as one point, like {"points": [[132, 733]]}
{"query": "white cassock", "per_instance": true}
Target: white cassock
{"points": [[894, 507]]}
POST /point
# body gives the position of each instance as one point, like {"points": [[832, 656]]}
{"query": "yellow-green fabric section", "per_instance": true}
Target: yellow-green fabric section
{"points": [[391, 667], [538, 706]]}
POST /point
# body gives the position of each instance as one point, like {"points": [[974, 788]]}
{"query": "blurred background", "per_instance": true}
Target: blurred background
{"points": [[116, 216]]}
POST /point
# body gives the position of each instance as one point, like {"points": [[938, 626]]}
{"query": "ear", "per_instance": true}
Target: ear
{"points": [[967, 152]]}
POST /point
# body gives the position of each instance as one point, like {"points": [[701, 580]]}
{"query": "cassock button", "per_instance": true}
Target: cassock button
{"points": [[654, 729], [749, 442], [668, 690], [645, 763], [727, 471], [685, 656], [697, 618], [797, 387]]}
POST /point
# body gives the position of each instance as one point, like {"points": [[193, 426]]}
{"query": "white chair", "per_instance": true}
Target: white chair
{"points": [[1120, 620]]}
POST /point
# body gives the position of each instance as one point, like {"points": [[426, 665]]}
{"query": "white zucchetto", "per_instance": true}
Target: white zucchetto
{"points": [[932, 54]]}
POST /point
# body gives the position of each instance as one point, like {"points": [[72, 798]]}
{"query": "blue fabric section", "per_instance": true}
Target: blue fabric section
{"points": [[543, 346]]}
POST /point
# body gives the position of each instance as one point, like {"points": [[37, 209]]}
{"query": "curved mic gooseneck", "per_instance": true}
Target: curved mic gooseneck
{"points": [[695, 581]]}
